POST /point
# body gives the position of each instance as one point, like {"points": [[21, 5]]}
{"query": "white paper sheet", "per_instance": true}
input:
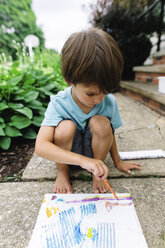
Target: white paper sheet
{"points": [[87, 221], [142, 154]]}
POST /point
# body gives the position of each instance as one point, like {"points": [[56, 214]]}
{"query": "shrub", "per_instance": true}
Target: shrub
{"points": [[130, 35], [132, 30], [25, 88]]}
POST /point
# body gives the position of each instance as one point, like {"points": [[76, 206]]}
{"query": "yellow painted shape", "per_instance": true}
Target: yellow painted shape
{"points": [[44, 200], [89, 234], [48, 212], [54, 210]]}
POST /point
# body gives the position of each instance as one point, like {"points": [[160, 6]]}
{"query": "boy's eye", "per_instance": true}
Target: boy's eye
{"points": [[90, 94]]}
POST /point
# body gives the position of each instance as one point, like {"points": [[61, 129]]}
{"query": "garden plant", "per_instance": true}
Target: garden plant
{"points": [[25, 88]]}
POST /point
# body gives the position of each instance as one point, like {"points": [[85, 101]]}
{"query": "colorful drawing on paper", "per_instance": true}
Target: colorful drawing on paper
{"points": [[87, 221]]}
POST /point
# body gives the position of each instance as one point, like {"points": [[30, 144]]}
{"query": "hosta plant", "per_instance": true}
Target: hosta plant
{"points": [[25, 89]]}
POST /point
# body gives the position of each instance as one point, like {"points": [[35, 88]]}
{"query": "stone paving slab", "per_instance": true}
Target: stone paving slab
{"points": [[47, 169], [142, 139], [18, 213], [161, 125], [143, 129], [134, 115], [146, 139]]}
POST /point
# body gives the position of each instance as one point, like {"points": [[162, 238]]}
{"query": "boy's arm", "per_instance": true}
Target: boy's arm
{"points": [[47, 149], [125, 166]]}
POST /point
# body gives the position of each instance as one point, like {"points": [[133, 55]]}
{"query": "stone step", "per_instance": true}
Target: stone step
{"points": [[149, 74], [146, 93]]}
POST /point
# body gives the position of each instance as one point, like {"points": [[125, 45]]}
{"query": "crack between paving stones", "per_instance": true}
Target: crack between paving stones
{"points": [[159, 131], [138, 129], [109, 178]]}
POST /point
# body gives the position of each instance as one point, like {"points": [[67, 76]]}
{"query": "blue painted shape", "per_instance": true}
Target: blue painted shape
{"points": [[107, 226], [94, 234], [104, 241], [95, 211], [82, 212], [87, 210], [60, 199], [97, 240], [47, 242], [110, 236], [101, 234], [114, 236]]}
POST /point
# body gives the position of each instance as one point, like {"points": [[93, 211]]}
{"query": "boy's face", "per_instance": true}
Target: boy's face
{"points": [[87, 95]]}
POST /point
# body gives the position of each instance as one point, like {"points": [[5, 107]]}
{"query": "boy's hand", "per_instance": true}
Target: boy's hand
{"points": [[126, 166], [96, 166]]}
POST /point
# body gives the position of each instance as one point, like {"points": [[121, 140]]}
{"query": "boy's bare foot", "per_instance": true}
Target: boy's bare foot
{"points": [[62, 183], [99, 186]]}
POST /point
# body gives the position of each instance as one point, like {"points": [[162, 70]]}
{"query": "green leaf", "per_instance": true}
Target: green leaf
{"points": [[37, 120], [14, 81], [18, 92], [2, 125], [25, 111], [35, 104], [12, 131], [46, 92], [29, 81], [29, 133], [5, 142], [15, 64], [1, 120], [3, 106], [2, 132], [31, 96], [50, 85], [28, 88], [19, 121], [42, 111], [42, 96], [17, 98], [15, 105]]}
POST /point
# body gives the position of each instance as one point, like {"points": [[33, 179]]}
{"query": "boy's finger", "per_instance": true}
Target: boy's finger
{"points": [[133, 167], [106, 171], [137, 167], [138, 164], [98, 172], [98, 178], [127, 170]]}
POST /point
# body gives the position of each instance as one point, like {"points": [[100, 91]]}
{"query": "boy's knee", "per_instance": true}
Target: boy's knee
{"points": [[64, 132], [100, 125]]}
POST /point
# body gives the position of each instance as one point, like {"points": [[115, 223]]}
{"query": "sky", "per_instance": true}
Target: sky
{"points": [[58, 19]]}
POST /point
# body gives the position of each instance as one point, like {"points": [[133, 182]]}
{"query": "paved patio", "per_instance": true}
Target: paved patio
{"points": [[142, 130]]}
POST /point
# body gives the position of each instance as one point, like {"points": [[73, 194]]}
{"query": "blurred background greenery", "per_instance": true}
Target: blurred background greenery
{"points": [[132, 23]]}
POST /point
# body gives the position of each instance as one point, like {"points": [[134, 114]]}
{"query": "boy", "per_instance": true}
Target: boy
{"points": [[78, 128]]}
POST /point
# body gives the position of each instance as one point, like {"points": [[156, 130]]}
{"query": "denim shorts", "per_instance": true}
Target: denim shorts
{"points": [[82, 142]]}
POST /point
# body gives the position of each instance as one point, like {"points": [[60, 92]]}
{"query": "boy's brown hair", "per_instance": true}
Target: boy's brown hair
{"points": [[92, 56]]}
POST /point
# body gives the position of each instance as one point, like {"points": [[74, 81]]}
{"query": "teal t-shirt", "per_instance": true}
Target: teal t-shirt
{"points": [[63, 107]]}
